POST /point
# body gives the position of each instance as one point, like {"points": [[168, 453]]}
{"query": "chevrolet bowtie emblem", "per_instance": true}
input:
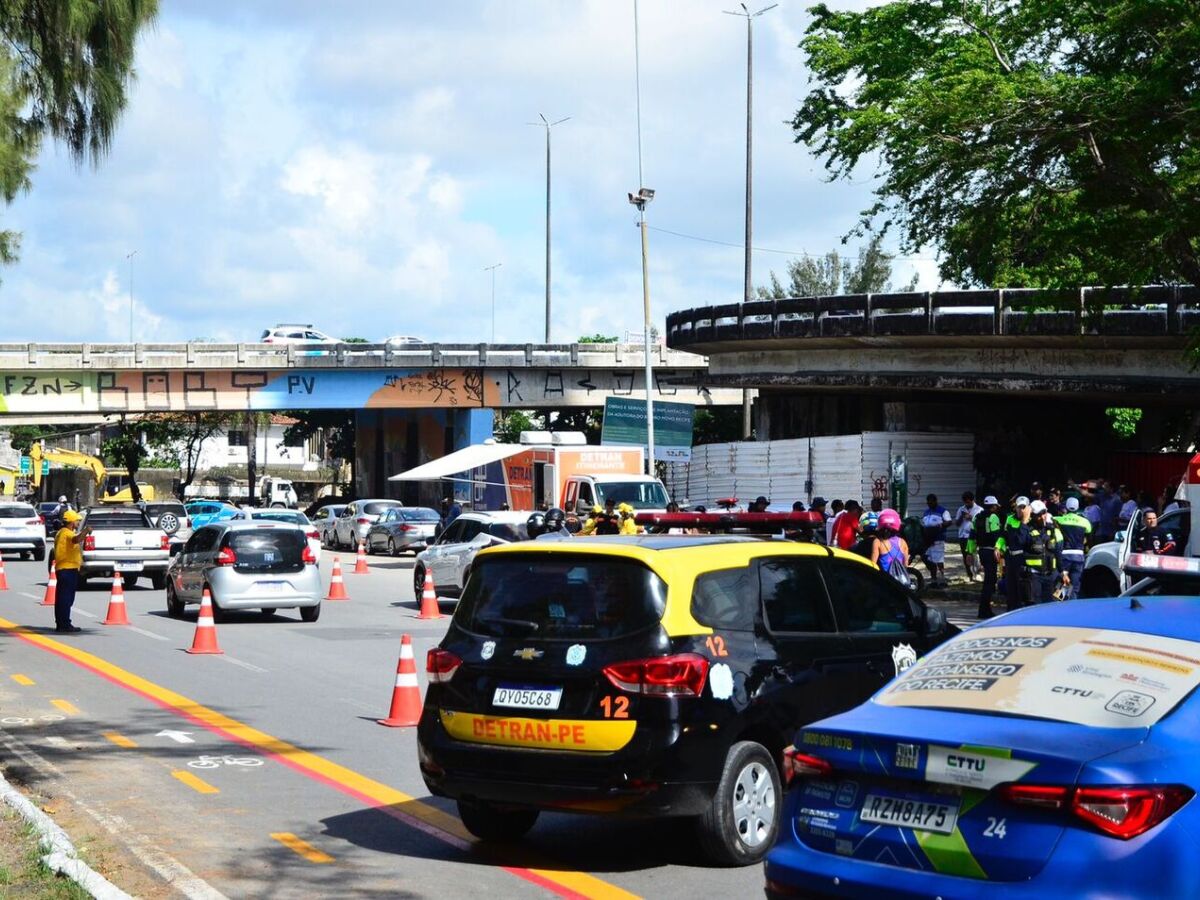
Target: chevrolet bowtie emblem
{"points": [[528, 653]]}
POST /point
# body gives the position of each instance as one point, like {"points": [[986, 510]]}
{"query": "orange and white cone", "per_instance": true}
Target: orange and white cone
{"points": [[116, 604], [51, 586], [205, 640], [406, 695], [429, 600], [337, 587], [360, 562], [3, 577]]}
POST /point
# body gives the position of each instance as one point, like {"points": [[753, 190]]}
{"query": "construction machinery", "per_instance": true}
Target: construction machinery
{"points": [[111, 486]]}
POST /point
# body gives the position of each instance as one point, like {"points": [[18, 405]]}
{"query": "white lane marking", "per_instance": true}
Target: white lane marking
{"points": [[172, 870], [84, 612], [179, 737], [29, 595], [245, 665], [57, 742], [149, 634]]}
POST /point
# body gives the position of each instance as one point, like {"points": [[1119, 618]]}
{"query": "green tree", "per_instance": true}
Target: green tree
{"points": [[194, 429], [597, 339], [65, 67], [135, 441], [1123, 420], [20, 437], [822, 276], [508, 427], [1033, 142], [336, 425]]}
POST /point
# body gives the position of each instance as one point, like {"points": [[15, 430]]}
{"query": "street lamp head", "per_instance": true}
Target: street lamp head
{"points": [[646, 194], [642, 197]]}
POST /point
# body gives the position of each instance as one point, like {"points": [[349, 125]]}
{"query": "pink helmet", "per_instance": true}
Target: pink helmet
{"points": [[889, 518]]}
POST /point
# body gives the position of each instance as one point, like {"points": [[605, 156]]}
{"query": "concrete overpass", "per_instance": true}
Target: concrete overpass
{"points": [[43, 381], [1117, 345]]}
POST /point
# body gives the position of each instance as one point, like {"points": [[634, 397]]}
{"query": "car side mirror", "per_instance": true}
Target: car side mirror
{"points": [[935, 620], [1119, 536], [482, 540]]}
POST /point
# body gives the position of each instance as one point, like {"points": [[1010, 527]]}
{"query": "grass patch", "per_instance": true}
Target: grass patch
{"points": [[22, 873]]}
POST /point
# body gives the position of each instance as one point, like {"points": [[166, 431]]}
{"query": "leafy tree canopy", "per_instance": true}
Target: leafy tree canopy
{"points": [[1033, 142], [597, 339], [829, 275]]}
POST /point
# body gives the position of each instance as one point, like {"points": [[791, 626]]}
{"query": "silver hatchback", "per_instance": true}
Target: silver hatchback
{"points": [[246, 565]]}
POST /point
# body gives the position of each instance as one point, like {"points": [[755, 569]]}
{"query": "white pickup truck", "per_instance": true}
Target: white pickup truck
{"points": [[125, 541]]}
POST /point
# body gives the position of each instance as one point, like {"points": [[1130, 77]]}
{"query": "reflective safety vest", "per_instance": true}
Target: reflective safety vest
{"points": [[987, 530], [1010, 541], [1043, 547], [1075, 530]]}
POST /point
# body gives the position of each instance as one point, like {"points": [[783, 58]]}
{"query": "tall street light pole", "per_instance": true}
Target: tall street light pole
{"points": [[493, 269], [545, 123], [747, 285], [129, 256], [643, 196]]}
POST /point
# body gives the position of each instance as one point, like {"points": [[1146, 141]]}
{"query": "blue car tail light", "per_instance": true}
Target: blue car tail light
{"points": [[1119, 811], [803, 765]]}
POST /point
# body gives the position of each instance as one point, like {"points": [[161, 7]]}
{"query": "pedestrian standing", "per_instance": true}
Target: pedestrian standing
{"points": [[1054, 503], [1076, 530], [1091, 512], [964, 518], [1129, 508], [889, 551], [934, 522], [1043, 543], [835, 510], [1008, 548], [846, 526], [68, 558], [986, 535], [818, 506]]}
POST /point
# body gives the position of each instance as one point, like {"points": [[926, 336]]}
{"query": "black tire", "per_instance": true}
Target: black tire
{"points": [[175, 606], [493, 823], [158, 581], [268, 613], [39, 552], [1098, 582], [917, 579], [392, 548], [418, 580], [742, 821], [310, 613], [129, 581], [25, 554]]}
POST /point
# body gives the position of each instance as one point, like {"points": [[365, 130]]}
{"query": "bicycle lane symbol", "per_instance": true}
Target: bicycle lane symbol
{"points": [[216, 762]]}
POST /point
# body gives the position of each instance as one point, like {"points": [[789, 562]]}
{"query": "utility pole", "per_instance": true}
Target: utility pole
{"points": [[643, 196], [129, 256], [493, 269], [747, 285], [545, 123]]}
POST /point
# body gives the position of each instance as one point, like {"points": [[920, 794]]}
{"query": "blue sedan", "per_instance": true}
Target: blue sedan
{"points": [[1051, 752], [205, 512]]}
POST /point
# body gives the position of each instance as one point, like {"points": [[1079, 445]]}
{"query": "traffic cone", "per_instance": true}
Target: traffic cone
{"points": [[3, 577], [360, 563], [116, 604], [429, 600], [205, 640], [337, 587], [406, 695], [51, 586]]}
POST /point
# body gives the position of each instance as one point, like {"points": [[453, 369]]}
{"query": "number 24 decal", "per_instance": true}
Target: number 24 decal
{"points": [[615, 707], [995, 828]]}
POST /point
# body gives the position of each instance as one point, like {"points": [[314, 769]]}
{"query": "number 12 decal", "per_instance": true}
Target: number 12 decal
{"points": [[716, 645], [615, 707]]}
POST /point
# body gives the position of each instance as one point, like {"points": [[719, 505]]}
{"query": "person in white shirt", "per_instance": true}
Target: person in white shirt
{"points": [[934, 522], [965, 520]]}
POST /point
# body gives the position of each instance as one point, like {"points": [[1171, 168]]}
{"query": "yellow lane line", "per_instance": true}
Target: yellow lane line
{"points": [[301, 848], [22, 679], [367, 790], [119, 739], [66, 707], [196, 784]]}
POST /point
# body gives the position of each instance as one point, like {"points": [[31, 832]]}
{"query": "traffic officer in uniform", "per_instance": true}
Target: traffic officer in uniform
{"points": [[987, 534], [1076, 530], [1042, 546], [1008, 548]]}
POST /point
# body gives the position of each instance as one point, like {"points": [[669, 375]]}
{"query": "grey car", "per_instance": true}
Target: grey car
{"points": [[403, 528], [352, 523], [246, 565]]}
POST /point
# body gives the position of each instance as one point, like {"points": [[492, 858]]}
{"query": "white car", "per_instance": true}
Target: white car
{"points": [[401, 340], [289, 517], [1104, 572], [324, 519], [356, 520], [22, 529], [296, 334], [449, 558]]}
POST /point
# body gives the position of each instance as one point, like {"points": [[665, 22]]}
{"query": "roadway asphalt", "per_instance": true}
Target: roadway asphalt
{"points": [[263, 772]]}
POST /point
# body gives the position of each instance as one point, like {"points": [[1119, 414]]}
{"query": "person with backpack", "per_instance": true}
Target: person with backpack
{"points": [[986, 530], [934, 522], [889, 551], [1042, 543]]}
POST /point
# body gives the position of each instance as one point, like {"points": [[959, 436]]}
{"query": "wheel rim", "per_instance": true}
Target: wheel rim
{"points": [[391, 547], [754, 805]]}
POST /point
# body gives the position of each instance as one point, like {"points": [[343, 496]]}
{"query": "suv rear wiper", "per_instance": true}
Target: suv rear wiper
{"points": [[524, 623]]}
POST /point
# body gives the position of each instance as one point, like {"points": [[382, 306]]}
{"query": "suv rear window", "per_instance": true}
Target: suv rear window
{"points": [[374, 509], [560, 597], [114, 518], [1084, 676], [266, 550], [420, 514], [508, 531], [17, 512]]}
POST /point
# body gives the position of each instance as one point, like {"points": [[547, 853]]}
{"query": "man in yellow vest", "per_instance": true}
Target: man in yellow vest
{"points": [[68, 558]]}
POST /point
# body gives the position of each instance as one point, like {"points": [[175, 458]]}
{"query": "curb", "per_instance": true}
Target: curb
{"points": [[60, 855]]}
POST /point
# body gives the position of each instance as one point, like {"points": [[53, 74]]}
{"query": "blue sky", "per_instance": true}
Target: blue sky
{"points": [[357, 165]]}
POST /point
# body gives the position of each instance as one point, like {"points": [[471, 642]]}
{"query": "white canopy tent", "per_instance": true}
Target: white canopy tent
{"points": [[465, 460]]}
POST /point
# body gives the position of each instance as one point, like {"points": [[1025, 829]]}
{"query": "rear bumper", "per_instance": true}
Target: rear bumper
{"points": [[233, 590], [94, 566], [11, 541]]}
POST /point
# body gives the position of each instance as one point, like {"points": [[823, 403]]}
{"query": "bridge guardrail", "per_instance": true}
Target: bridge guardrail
{"points": [[1159, 310]]}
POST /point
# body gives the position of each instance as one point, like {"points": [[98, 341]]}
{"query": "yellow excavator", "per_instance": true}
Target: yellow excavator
{"points": [[113, 487]]}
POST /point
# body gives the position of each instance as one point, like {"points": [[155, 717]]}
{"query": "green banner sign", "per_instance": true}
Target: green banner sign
{"points": [[625, 424]]}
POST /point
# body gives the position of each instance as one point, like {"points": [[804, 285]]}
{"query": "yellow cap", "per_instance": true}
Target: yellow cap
{"points": [[596, 509], [71, 517]]}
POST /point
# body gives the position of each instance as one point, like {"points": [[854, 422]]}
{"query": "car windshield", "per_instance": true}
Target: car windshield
{"points": [[419, 514], [638, 494], [118, 518], [1098, 677], [265, 550], [560, 597], [17, 512], [283, 515], [378, 506]]}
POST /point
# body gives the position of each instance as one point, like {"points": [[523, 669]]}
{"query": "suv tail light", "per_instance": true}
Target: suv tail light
{"points": [[1121, 812], [38, 521], [362, 521], [307, 556], [440, 665], [165, 544], [226, 557], [407, 527], [41, 518], [681, 675], [89, 543], [803, 765], [312, 535]]}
